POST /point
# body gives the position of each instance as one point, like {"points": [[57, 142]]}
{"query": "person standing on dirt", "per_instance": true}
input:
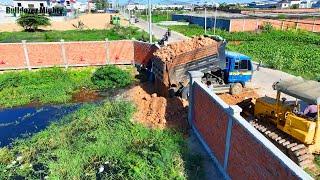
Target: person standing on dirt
{"points": [[311, 111]]}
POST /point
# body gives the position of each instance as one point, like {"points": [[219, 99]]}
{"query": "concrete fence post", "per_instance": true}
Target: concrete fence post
{"points": [[297, 26], [243, 24], [26, 55], [234, 111], [193, 76], [314, 24], [282, 25], [257, 24], [107, 51], [63, 54]]}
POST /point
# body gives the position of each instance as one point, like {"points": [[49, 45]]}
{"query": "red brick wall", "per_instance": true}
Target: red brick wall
{"points": [[85, 52], [11, 56], [211, 121], [77, 53], [44, 54], [249, 159], [143, 52], [121, 52], [239, 25]]}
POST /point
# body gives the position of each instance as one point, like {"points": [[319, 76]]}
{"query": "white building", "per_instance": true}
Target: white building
{"points": [[288, 3], [136, 6], [31, 3], [306, 4], [169, 6], [294, 2]]}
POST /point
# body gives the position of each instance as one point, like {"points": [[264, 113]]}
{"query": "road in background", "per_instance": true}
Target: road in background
{"points": [[159, 32]]}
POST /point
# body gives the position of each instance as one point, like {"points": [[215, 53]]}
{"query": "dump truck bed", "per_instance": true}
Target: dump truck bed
{"points": [[204, 59]]}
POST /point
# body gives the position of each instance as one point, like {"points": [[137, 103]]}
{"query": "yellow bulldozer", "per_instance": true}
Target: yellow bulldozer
{"points": [[282, 121]]}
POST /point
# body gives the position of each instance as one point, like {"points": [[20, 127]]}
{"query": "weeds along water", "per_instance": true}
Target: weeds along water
{"points": [[97, 141], [87, 141]]}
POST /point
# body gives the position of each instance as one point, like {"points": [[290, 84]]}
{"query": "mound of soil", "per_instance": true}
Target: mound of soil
{"points": [[168, 53], [235, 99], [158, 112]]}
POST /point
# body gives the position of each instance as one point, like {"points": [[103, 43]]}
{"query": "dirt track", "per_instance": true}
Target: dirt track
{"points": [[91, 21]]}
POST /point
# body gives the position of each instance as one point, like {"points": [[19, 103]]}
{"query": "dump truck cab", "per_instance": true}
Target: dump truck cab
{"points": [[238, 69]]}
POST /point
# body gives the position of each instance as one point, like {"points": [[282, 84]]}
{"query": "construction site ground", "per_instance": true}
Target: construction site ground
{"points": [[90, 21]]}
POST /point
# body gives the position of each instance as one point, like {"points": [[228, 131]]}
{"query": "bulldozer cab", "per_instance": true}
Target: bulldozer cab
{"points": [[289, 116]]}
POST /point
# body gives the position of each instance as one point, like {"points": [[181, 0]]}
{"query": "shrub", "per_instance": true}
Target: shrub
{"points": [[31, 22], [111, 76], [267, 27]]}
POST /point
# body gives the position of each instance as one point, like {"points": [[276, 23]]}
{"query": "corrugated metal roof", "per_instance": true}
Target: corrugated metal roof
{"points": [[306, 90]]}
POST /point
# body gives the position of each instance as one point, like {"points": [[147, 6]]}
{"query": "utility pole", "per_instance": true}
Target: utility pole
{"points": [[205, 19], [150, 21], [215, 20]]}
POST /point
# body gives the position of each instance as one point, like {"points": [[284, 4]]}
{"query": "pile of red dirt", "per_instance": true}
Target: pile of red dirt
{"points": [[168, 53], [158, 112], [235, 99]]}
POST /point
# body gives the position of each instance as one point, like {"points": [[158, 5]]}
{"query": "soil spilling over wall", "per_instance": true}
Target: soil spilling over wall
{"points": [[158, 112], [168, 53], [235, 99]]}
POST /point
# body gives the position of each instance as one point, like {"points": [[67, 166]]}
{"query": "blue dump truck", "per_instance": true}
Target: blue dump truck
{"points": [[224, 71]]}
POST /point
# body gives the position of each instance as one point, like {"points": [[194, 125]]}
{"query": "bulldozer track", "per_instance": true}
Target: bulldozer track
{"points": [[295, 150]]}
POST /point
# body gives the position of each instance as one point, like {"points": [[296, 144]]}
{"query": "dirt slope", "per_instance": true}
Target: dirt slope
{"points": [[158, 112]]}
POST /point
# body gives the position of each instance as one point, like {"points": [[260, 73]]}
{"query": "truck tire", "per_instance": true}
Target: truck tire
{"points": [[236, 89], [185, 92], [172, 92]]}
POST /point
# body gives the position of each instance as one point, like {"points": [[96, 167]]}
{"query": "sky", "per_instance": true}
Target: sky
{"points": [[162, 1]]}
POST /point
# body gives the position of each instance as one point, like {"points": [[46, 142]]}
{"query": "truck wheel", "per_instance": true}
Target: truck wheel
{"points": [[185, 92], [172, 92], [236, 89]]}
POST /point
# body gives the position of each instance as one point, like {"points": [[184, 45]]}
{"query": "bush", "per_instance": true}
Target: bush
{"points": [[267, 27], [31, 22], [111, 76]]}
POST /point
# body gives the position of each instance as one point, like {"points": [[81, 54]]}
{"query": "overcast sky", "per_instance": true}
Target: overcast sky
{"points": [[162, 1]]}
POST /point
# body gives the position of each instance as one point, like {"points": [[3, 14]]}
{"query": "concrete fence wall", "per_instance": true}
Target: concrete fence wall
{"points": [[26, 55], [237, 148]]}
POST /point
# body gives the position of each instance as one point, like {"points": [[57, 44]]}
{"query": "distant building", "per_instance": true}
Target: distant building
{"points": [[262, 4], [284, 4], [31, 3], [316, 5], [306, 4], [136, 6]]}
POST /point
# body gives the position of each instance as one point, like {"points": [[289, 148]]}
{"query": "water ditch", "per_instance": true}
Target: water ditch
{"points": [[22, 122]]}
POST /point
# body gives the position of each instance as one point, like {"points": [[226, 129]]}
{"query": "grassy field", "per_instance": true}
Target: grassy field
{"points": [[50, 85], [99, 142], [159, 16], [115, 33], [295, 52]]}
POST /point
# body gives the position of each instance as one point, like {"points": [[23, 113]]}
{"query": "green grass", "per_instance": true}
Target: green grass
{"points": [[115, 33], [295, 52], [100, 136], [158, 17], [52, 85]]}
